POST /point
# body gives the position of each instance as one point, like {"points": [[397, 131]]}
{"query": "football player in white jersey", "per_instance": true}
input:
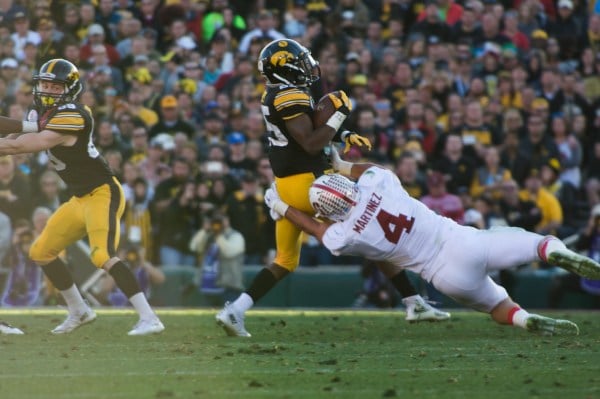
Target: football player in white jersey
{"points": [[374, 217]]}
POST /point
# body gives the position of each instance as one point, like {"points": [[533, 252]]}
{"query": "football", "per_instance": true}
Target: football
{"points": [[323, 110]]}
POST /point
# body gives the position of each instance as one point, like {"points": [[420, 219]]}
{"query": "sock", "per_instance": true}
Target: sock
{"points": [[140, 303], [403, 285], [58, 274], [263, 282], [409, 300], [73, 299], [548, 245], [518, 317], [125, 279], [243, 303]]}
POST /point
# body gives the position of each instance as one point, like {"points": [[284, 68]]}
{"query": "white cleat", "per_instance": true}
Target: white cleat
{"points": [[232, 321], [547, 326], [147, 327], [419, 310], [6, 328], [573, 262], [74, 321]]}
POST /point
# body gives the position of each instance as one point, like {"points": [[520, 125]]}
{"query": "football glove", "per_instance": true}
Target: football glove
{"points": [[351, 138], [343, 106], [276, 205]]}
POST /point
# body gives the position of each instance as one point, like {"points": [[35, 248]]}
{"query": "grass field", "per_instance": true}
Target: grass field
{"points": [[297, 354]]}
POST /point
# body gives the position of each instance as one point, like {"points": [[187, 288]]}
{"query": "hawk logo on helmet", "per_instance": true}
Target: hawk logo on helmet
{"points": [[285, 61], [280, 58]]}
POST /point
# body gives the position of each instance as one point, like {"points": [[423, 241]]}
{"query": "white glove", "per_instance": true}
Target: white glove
{"points": [[339, 165], [276, 205]]}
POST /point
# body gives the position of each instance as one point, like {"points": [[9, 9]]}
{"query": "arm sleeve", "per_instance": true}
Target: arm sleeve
{"points": [[291, 102], [68, 121]]}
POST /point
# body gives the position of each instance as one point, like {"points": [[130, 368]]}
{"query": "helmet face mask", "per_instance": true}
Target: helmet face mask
{"points": [[59, 72], [285, 61], [333, 196]]}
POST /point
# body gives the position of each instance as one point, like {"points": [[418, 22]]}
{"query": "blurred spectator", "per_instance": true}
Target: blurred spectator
{"points": [[565, 192], [220, 252], [296, 20], [552, 216], [51, 192], [247, 214], [488, 178], [407, 171], [516, 211], [176, 225], [440, 201], [239, 164], [22, 34], [169, 188], [568, 29], [24, 282], [15, 191], [457, 168], [95, 37], [106, 139], [265, 27], [538, 146], [170, 121], [221, 14]]}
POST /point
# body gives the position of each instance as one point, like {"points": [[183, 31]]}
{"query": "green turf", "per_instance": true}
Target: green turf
{"points": [[298, 354]]}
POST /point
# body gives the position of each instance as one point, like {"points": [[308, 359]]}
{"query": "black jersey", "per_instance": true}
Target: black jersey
{"points": [[281, 103], [81, 166]]}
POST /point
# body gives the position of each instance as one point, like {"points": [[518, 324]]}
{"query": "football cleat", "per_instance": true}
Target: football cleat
{"points": [[147, 327], [573, 262], [232, 321], [419, 310], [547, 326], [6, 328], [74, 321]]}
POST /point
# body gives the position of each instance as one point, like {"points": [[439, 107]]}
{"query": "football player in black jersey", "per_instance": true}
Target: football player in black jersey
{"points": [[297, 156], [63, 128]]}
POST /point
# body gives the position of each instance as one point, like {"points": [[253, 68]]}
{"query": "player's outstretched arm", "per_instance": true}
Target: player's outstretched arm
{"points": [[10, 126], [30, 142], [349, 169], [304, 221]]}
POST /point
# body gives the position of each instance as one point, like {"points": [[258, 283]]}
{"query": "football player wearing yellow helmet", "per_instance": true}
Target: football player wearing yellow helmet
{"points": [[63, 128], [297, 156]]}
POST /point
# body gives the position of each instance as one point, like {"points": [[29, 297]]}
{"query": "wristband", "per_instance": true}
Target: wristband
{"points": [[336, 120], [345, 134], [29, 127], [280, 207]]}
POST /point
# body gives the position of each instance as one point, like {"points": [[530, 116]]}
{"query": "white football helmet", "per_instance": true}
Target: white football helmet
{"points": [[333, 196]]}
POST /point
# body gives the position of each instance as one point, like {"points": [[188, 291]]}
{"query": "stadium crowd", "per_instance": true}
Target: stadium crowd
{"points": [[487, 110]]}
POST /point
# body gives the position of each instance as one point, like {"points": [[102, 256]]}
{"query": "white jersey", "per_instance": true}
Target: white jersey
{"points": [[389, 225]]}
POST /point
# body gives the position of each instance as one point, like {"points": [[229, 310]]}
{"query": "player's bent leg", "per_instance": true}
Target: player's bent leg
{"points": [[508, 312], [79, 311], [554, 251], [149, 323]]}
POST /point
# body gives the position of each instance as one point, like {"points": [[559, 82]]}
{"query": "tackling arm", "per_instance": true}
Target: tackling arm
{"points": [[306, 223]]}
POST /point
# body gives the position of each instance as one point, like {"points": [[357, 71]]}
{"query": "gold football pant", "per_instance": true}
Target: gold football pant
{"points": [[293, 190], [96, 214]]}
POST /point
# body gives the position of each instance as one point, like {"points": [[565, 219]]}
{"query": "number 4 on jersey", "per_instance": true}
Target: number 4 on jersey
{"points": [[393, 226]]}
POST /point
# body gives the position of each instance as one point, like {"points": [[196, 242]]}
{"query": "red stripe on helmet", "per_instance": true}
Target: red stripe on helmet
{"points": [[336, 193]]}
